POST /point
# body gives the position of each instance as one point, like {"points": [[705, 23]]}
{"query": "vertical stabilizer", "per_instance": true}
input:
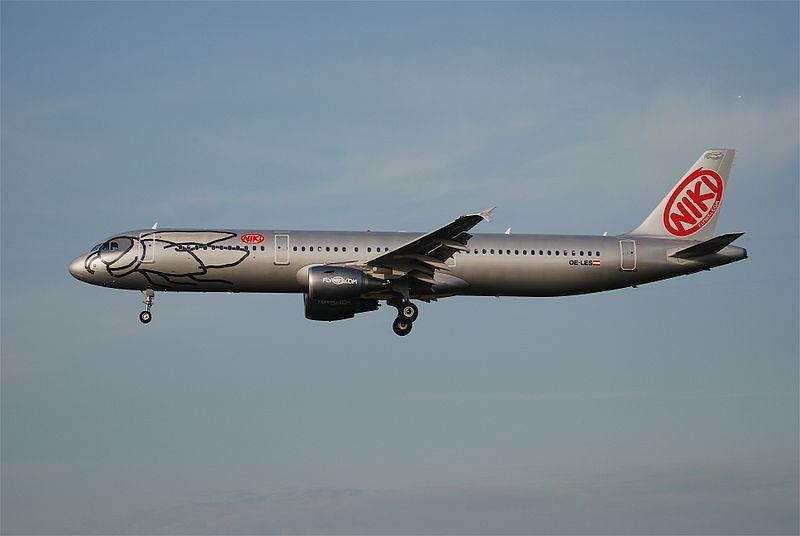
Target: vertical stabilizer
{"points": [[691, 208]]}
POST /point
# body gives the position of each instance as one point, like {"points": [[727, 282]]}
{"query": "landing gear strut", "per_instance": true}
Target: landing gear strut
{"points": [[407, 312], [149, 296]]}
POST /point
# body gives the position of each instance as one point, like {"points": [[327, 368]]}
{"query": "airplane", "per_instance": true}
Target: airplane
{"points": [[341, 274]]}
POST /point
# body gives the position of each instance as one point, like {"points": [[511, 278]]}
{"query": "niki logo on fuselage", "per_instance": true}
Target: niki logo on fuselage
{"points": [[167, 259]]}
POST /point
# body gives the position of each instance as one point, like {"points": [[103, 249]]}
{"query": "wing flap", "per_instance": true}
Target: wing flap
{"points": [[439, 245], [420, 258]]}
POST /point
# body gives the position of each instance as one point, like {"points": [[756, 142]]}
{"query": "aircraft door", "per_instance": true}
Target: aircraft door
{"points": [[627, 250], [148, 242], [281, 249]]}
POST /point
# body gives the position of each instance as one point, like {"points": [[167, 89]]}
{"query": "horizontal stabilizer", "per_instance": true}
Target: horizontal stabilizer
{"points": [[709, 247]]}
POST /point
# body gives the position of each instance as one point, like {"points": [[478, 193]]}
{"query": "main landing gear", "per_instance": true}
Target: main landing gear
{"points": [[407, 312], [146, 316]]}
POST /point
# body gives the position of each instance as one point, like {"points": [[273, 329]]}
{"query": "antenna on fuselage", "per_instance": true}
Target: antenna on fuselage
{"points": [[508, 231], [155, 226]]}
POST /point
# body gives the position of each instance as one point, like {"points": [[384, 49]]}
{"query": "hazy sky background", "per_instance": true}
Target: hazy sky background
{"points": [[671, 408]]}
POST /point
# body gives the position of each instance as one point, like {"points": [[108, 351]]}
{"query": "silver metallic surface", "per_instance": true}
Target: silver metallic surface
{"points": [[346, 267]]}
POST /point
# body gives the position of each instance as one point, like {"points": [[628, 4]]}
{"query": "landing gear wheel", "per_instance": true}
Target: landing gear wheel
{"points": [[401, 327], [407, 312], [149, 297]]}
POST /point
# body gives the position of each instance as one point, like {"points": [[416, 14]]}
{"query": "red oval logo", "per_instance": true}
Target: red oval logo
{"points": [[252, 238], [693, 203]]}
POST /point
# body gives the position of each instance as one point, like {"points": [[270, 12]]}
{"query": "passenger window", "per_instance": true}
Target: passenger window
{"points": [[484, 252], [369, 250], [556, 252], [549, 252], [524, 251], [573, 252], [262, 248], [327, 248], [344, 248], [598, 253], [516, 252], [294, 248], [356, 249], [581, 253], [491, 251], [499, 251], [336, 248]]}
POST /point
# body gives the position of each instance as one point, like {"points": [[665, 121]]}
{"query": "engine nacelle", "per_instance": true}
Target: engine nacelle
{"points": [[336, 309], [334, 283]]}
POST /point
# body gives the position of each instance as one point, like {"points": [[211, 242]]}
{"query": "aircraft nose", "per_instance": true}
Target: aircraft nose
{"points": [[78, 269]]}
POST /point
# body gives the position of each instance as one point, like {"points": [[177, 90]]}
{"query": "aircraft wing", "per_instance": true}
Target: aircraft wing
{"points": [[419, 258]]}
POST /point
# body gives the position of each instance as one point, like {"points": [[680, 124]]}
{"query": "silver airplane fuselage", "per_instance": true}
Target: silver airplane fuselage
{"points": [[192, 260], [344, 273]]}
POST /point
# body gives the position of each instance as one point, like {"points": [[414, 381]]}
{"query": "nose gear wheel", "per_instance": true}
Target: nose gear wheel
{"points": [[149, 297]]}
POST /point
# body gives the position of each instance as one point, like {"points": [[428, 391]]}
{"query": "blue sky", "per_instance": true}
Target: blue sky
{"points": [[671, 408]]}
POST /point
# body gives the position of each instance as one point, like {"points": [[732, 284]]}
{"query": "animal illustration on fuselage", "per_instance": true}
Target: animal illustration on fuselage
{"points": [[193, 255], [341, 274]]}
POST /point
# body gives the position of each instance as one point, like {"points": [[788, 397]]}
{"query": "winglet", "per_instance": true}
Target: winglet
{"points": [[487, 214]]}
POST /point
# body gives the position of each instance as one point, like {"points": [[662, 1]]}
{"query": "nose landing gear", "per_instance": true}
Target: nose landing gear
{"points": [[146, 316], [407, 312]]}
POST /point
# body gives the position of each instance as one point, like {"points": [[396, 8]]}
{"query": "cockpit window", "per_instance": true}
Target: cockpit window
{"points": [[107, 246]]}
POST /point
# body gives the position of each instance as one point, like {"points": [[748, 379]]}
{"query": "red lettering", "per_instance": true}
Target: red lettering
{"points": [[687, 210], [716, 186], [691, 207], [700, 199], [683, 216]]}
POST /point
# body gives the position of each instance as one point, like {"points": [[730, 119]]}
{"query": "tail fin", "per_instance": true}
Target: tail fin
{"points": [[691, 208]]}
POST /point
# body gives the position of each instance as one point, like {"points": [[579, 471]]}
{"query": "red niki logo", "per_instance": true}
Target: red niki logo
{"points": [[693, 203], [252, 238]]}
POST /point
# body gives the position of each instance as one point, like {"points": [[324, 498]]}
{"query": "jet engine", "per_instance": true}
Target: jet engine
{"points": [[340, 283], [336, 309]]}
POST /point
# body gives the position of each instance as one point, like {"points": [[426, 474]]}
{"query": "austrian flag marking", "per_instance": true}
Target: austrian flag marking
{"points": [[693, 203]]}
